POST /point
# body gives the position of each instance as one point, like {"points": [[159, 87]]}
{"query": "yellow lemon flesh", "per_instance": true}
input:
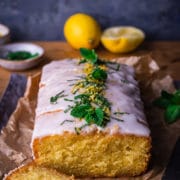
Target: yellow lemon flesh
{"points": [[81, 30], [122, 39]]}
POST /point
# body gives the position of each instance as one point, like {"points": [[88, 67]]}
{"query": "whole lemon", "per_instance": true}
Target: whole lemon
{"points": [[82, 30]]}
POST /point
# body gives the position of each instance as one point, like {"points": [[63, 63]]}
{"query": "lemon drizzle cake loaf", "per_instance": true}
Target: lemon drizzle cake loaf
{"points": [[90, 120]]}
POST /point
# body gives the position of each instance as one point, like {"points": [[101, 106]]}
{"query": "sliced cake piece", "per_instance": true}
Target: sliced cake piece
{"points": [[34, 172]]}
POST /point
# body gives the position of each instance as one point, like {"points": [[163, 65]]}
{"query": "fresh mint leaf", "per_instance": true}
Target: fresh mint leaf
{"points": [[90, 117], [80, 111], [166, 95], [99, 74], [172, 113], [177, 93], [89, 55], [95, 116], [162, 102], [171, 104], [176, 97], [100, 116]]}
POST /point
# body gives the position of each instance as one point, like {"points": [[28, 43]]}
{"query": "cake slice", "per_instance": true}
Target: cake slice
{"points": [[33, 172], [90, 127]]}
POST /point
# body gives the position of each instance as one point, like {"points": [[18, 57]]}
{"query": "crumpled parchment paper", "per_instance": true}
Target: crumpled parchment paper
{"points": [[15, 138]]}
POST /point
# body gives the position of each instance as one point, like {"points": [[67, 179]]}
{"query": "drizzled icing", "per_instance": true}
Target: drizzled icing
{"points": [[122, 91]]}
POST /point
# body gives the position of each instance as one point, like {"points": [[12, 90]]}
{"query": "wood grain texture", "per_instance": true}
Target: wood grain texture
{"points": [[165, 53]]}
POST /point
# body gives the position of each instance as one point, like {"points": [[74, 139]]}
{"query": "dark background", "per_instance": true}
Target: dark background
{"points": [[44, 19]]}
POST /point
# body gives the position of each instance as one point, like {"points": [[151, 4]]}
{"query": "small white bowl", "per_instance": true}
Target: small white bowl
{"points": [[20, 64], [4, 34]]}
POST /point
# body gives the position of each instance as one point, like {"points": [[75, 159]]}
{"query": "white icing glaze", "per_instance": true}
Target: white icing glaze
{"points": [[125, 97]]}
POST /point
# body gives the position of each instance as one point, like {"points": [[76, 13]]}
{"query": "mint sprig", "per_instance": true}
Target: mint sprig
{"points": [[89, 55], [172, 113], [171, 104], [90, 104], [80, 111]]}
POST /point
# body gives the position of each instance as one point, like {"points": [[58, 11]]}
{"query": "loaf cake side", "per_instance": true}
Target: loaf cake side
{"points": [[68, 144]]}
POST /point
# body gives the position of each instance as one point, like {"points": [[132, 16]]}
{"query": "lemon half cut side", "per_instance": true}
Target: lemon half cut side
{"points": [[122, 39]]}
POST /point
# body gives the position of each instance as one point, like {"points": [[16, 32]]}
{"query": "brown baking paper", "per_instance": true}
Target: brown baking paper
{"points": [[15, 138]]}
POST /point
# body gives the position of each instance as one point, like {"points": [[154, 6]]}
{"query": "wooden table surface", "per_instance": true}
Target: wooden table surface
{"points": [[165, 53]]}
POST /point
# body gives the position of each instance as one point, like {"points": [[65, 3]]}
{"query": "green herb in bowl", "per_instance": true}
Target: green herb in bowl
{"points": [[21, 55]]}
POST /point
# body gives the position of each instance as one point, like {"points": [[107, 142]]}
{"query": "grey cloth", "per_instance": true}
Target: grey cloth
{"points": [[14, 91], [172, 171]]}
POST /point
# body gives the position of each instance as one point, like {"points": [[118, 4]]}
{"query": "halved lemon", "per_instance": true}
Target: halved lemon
{"points": [[122, 39]]}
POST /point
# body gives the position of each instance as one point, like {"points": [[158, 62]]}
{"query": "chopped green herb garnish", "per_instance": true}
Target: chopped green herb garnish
{"points": [[72, 79], [68, 100], [74, 92], [54, 99], [21, 55], [120, 113], [78, 129], [117, 119], [171, 104], [68, 109], [66, 121], [72, 84]]}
